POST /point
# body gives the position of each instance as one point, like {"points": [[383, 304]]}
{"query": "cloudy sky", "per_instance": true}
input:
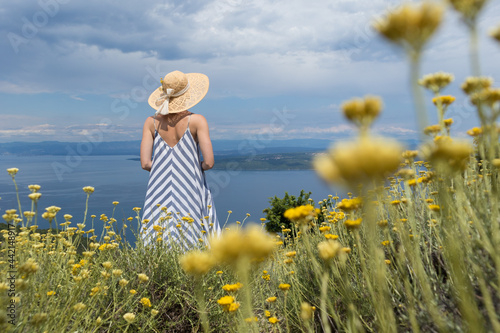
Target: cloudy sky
{"points": [[73, 69]]}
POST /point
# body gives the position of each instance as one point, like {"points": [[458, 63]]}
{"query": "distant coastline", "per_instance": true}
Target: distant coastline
{"points": [[263, 162], [222, 148]]}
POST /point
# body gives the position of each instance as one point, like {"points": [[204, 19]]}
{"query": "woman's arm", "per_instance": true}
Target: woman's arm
{"points": [[147, 144], [205, 142]]}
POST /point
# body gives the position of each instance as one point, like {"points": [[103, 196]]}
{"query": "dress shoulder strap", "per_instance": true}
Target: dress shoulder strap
{"points": [[156, 130], [189, 118]]}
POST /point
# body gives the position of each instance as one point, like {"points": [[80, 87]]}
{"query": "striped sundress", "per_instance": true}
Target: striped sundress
{"points": [[178, 202]]}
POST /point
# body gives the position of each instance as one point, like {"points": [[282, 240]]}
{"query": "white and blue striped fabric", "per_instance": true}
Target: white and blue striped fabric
{"points": [[177, 182]]}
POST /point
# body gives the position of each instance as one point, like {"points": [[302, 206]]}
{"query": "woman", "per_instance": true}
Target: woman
{"points": [[177, 197]]}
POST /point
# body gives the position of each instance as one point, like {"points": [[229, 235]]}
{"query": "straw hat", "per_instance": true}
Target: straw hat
{"points": [[178, 92]]}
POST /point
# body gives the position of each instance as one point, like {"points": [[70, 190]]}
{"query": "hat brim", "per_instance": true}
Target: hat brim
{"points": [[198, 88]]}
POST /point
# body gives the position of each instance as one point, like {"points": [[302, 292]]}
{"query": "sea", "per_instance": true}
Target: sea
{"points": [[118, 178]]}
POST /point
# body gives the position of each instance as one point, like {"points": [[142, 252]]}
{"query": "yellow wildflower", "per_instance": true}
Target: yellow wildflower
{"points": [[145, 302], [349, 204], [306, 311], [329, 249], [411, 25], [196, 262], [468, 8], [232, 287], [362, 112], [360, 160], [88, 189], [495, 33], [475, 84], [444, 100], [13, 171], [129, 317], [250, 243], [475, 131], [79, 307], [450, 153], [434, 208], [143, 277], [284, 286], [225, 300], [353, 224], [301, 214], [233, 307], [448, 122], [331, 236], [436, 81], [325, 229], [273, 320], [271, 299]]}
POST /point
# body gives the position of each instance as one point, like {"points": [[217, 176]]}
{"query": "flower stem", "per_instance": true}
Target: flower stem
{"points": [[418, 96], [474, 50]]}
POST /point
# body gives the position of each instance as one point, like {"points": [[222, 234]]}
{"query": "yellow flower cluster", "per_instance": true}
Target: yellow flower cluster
{"points": [[411, 25], [284, 286], [88, 189], [362, 111], [234, 245], [353, 224], [13, 171], [349, 204], [228, 303], [232, 287], [468, 8], [495, 33], [329, 249], [437, 81], [302, 214], [145, 302], [196, 263], [359, 161], [475, 84], [446, 152], [487, 96], [444, 100]]}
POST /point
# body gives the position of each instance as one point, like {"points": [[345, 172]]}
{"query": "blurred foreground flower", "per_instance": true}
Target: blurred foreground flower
{"points": [[362, 111], [329, 249], [301, 215], [495, 33], [436, 82], [411, 25], [469, 9], [474, 84], [448, 153], [251, 243], [196, 263], [359, 161]]}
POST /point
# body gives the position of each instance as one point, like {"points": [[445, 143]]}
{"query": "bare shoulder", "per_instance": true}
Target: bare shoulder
{"points": [[198, 120], [149, 124]]}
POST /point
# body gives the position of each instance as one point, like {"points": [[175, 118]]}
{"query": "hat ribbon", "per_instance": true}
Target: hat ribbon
{"points": [[163, 109]]}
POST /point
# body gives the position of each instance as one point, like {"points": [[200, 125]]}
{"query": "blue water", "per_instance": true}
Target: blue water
{"points": [[116, 178]]}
